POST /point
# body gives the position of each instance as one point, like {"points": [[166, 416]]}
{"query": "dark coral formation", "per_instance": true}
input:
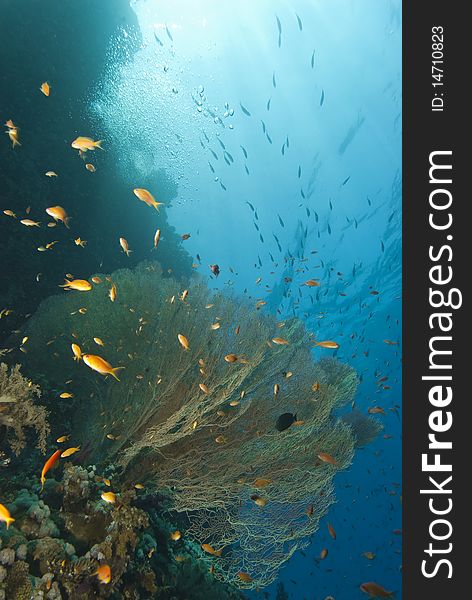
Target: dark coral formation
{"points": [[53, 549]]}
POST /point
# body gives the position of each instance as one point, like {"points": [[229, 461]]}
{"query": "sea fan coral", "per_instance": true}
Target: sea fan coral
{"points": [[365, 428], [18, 410], [195, 417]]}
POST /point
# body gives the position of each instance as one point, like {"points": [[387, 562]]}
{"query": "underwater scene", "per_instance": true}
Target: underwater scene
{"points": [[200, 309]]}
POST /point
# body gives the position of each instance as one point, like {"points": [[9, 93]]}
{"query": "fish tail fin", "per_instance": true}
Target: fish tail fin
{"points": [[66, 222], [128, 252], [98, 144], [114, 371], [9, 521]]}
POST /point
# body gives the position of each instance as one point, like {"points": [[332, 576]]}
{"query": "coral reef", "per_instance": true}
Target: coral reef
{"points": [[18, 410], [47, 555], [198, 423]]}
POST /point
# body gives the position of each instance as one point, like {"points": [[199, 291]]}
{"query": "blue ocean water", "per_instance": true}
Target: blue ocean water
{"points": [[278, 126], [281, 122]]}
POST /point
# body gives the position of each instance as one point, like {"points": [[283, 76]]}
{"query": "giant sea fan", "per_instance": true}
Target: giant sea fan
{"points": [[212, 451]]}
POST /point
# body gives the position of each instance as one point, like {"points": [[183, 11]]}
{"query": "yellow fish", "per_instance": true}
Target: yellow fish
{"points": [[103, 574], [211, 550], [13, 135], [183, 341], [81, 243], [99, 364], [58, 214], [261, 502], [328, 344], [98, 341], [69, 452], [5, 515], [9, 213], [85, 143], [157, 237], [81, 285], [125, 247], [108, 497], [260, 483], [62, 439], [45, 88], [30, 223], [66, 395], [147, 198], [280, 341], [112, 292]]}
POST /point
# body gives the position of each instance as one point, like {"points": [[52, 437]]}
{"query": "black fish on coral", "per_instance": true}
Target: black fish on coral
{"points": [[285, 421]]}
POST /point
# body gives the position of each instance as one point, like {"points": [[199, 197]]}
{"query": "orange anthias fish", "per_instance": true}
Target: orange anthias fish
{"points": [[99, 364], [376, 410], [12, 132], [328, 344], [51, 461], [45, 88], [260, 483], [280, 341], [81, 285], [211, 550], [77, 351], [245, 577], [58, 214], [109, 497], [5, 515], [183, 341], [103, 574], [312, 283], [331, 530], [85, 143], [147, 198], [112, 292], [125, 247], [69, 452], [157, 237], [327, 458], [374, 590]]}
